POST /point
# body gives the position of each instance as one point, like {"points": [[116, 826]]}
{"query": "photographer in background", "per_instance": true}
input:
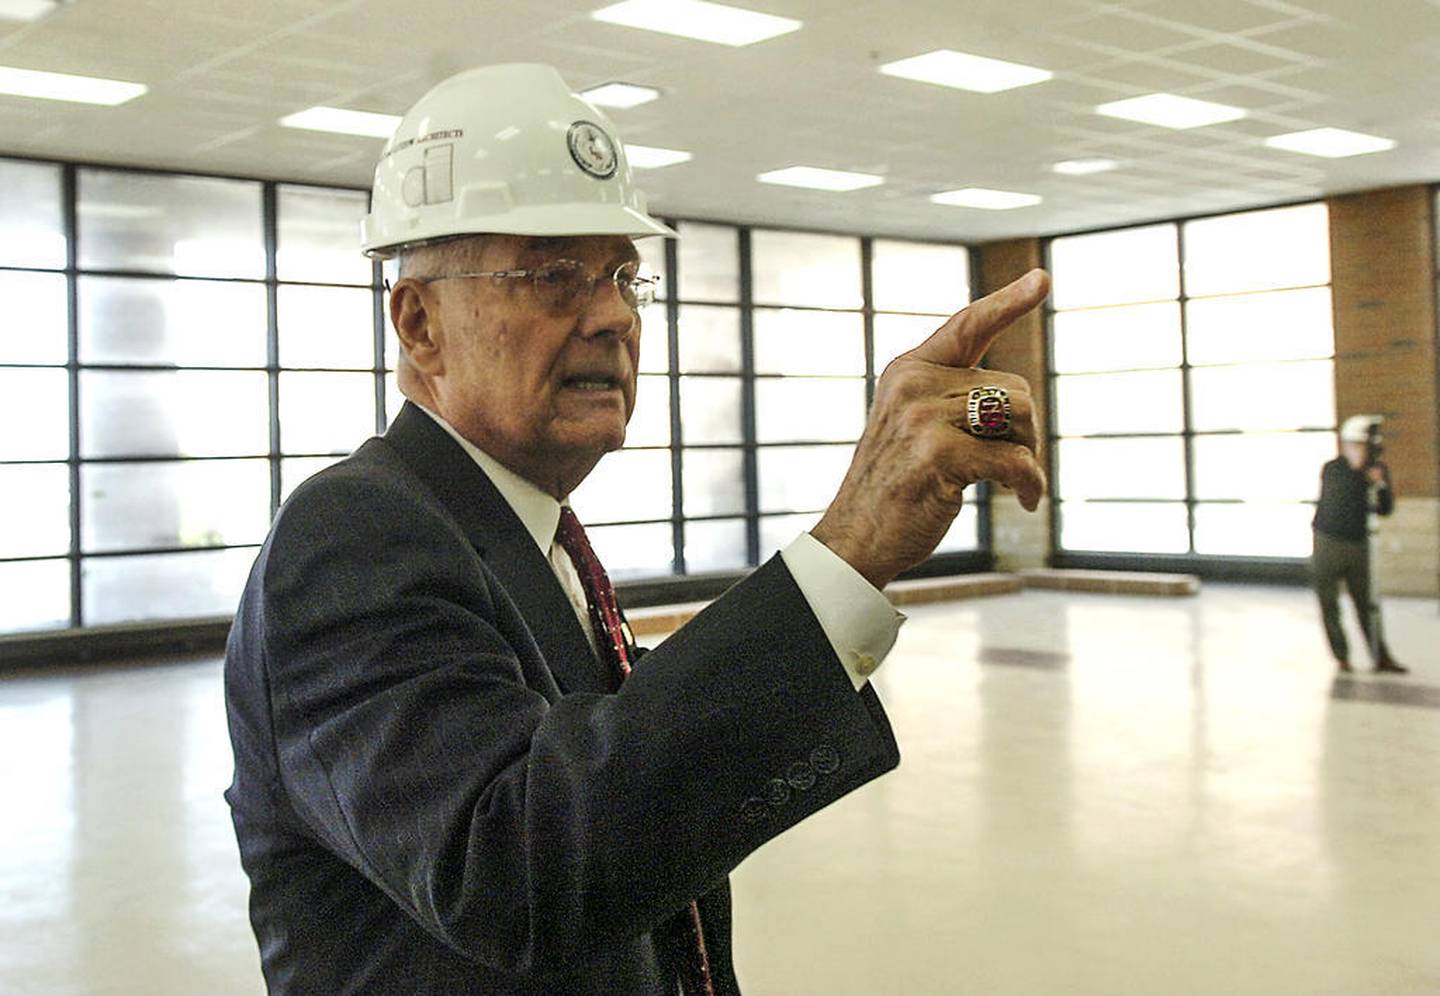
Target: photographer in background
{"points": [[1348, 486]]}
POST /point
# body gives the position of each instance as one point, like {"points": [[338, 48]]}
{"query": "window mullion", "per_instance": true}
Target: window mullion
{"points": [[1188, 429], [69, 205]]}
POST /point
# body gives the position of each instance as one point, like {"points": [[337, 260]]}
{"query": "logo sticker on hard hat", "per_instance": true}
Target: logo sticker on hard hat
{"points": [[433, 181], [592, 149]]}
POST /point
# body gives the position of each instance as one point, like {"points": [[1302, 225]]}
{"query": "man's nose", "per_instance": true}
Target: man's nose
{"points": [[607, 313]]}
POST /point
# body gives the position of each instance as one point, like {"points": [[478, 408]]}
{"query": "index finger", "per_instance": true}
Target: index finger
{"points": [[963, 340]]}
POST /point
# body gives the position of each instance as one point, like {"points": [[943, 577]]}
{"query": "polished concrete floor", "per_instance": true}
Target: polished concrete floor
{"points": [[1099, 795]]}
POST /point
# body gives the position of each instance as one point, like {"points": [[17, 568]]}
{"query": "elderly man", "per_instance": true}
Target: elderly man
{"points": [[452, 772]]}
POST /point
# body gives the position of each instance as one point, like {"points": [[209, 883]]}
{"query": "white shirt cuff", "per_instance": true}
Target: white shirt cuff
{"points": [[858, 620]]}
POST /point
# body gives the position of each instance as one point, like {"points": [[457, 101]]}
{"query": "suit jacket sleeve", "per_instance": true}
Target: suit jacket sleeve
{"points": [[525, 829]]}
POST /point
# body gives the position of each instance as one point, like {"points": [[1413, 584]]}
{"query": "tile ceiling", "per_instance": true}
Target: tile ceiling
{"points": [[222, 71]]}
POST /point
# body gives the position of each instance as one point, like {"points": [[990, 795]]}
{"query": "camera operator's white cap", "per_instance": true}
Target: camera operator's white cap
{"points": [[506, 150], [1358, 428]]}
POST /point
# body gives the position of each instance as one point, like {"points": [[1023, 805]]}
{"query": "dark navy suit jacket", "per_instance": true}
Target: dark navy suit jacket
{"points": [[438, 787]]}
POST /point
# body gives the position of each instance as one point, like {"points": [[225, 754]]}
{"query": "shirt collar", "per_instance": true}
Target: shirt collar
{"points": [[538, 512]]}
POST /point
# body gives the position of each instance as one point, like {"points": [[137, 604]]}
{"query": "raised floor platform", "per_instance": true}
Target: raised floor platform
{"points": [[662, 619], [1110, 582], [921, 591]]}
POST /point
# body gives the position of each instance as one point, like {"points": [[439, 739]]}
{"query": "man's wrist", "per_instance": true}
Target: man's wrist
{"points": [[840, 543]]}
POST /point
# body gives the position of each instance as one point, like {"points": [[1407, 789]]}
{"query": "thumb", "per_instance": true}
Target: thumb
{"points": [[964, 339]]}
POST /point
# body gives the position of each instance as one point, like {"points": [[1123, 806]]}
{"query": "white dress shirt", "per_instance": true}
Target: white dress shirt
{"points": [[858, 620]]}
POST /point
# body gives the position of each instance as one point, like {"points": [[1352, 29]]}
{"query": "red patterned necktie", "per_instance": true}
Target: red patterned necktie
{"points": [[610, 637]]}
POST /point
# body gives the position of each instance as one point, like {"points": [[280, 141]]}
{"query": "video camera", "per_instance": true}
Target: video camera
{"points": [[1374, 445]]}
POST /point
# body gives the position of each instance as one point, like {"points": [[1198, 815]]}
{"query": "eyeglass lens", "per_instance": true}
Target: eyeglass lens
{"points": [[564, 285]]}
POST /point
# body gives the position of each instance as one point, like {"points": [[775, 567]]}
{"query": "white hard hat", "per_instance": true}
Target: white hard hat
{"points": [[506, 150], [1358, 428]]}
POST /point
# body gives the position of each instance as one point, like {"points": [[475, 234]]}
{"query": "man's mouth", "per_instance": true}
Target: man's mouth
{"points": [[591, 382]]}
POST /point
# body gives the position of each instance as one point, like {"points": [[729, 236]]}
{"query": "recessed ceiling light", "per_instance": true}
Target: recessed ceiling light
{"points": [[712, 22], [620, 94], [1084, 167], [1332, 143], [817, 178], [27, 10], [1170, 111], [343, 122], [966, 72], [62, 86], [988, 200], [650, 157]]}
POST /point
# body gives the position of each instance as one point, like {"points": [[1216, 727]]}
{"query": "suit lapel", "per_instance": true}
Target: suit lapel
{"points": [[501, 539]]}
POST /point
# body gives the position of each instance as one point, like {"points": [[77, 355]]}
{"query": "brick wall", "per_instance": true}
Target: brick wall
{"points": [[1020, 538], [1383, 275]]}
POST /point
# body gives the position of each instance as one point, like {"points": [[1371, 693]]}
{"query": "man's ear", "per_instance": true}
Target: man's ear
{"points": [[411, 314]]}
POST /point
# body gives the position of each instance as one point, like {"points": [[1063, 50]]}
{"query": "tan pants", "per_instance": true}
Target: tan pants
{"points": [[1333, 561]]}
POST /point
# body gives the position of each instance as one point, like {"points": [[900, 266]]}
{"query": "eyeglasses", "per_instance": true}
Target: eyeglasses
{"points": [[563, 287]]}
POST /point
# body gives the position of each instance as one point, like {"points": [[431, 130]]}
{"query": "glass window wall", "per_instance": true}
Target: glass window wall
{"points": [[196, 347], [1194, 402]]}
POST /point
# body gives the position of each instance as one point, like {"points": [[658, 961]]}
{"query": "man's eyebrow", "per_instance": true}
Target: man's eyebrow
{"points": [[548, 243], [560, 245]]}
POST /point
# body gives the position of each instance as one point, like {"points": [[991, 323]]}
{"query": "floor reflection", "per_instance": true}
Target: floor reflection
{"points": [[37, 832]]}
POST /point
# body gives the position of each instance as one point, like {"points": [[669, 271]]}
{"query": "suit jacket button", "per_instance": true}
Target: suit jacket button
{"points": [[826, 759], [754, 809], [777, 793], [800, 775]]}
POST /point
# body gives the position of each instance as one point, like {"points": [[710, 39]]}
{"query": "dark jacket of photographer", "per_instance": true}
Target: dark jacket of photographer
{"points": [[1343, 500]]}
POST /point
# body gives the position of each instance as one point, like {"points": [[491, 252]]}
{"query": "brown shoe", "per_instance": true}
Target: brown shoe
{"points": [[1344, 667], [1387, 666]]}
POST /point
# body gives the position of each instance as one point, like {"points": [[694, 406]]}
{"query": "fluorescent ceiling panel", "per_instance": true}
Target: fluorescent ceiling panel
{"points": [[816, 178], [986, 199], [1169, 111], [711, 22], [343, 122], [61, 86], [620, 95], [1084, 167], [966, 72], [26, 10], [650, 157], [1332, 143]]}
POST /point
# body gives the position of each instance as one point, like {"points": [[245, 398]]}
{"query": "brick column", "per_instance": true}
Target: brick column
{"points": [[1383, 274], [1020, 538]]}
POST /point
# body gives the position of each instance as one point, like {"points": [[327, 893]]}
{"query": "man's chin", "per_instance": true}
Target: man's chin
{"points": [[597, 436]]}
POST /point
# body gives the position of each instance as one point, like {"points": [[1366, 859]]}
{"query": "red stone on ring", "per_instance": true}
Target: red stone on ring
{"points": [[991, 414]]}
